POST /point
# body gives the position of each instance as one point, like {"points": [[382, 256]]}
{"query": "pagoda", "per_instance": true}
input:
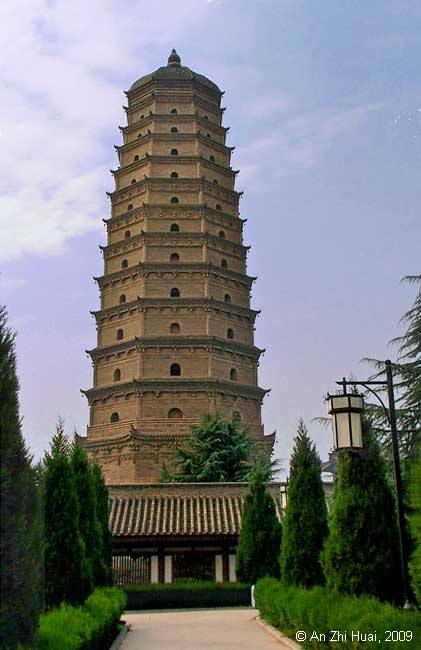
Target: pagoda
{"points": [[175, 330]]}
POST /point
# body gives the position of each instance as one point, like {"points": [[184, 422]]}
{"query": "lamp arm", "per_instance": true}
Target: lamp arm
{"points": [[379, 398]]}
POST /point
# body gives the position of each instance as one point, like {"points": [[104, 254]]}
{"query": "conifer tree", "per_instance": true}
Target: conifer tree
{"points": [[304, 528], [260, 536], [105, 575], [217, 450], [361, 554], [21, 512], [415, 520], [93, 571], [65, 550]]}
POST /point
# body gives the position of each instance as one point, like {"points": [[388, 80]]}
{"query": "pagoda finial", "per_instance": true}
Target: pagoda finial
{"points": [[173, 58]]}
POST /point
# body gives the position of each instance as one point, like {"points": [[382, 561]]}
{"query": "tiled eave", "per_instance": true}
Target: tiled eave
{"points": [[174, 211], [180, 118], [145, 268]]}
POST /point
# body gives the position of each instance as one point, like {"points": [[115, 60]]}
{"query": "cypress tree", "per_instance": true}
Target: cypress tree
{"points": [[88, 519], [305, 525], [415, 520], [64, 547], [217, 450], [20, 526], [361, 554], [105, 574], [260, 536]]}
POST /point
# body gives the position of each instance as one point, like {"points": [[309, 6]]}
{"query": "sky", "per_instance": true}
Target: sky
{"points": [[323, 101]]}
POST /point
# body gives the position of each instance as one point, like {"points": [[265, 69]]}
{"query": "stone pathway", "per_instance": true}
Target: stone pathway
{"points": [[211, 629]]}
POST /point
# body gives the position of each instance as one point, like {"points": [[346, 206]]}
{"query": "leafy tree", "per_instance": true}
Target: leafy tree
{"points": [[21, 511], [65, 561], [415, 497], [407, 378], [105, 574], [216, 451], [260, 536], [305, 525], [90, 530], [361, 554]]}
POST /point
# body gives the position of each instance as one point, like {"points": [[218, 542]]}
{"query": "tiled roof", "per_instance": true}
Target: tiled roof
{"points": [[176, 509]]}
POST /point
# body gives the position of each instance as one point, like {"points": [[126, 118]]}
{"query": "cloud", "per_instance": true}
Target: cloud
{"points": [[63, 68], [299, 142]]}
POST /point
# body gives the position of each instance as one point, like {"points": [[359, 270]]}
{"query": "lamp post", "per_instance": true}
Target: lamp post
{"points": [[346, 409]]}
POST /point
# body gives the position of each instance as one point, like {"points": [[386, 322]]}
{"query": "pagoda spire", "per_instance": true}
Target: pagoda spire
{"points": [[174, 58]]}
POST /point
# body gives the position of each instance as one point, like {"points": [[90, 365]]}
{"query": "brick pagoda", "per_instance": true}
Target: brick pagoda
{"points": [[175, 331]]}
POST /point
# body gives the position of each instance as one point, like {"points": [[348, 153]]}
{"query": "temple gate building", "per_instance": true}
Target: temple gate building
{"points": [[175, 330]]}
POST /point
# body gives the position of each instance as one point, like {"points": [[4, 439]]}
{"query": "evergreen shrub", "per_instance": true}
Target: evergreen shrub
{"points": [[291, 609], [89, 627]]}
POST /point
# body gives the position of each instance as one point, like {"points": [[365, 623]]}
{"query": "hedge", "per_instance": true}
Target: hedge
{"points": [[317, 610], [188, 585], [92, 626]]}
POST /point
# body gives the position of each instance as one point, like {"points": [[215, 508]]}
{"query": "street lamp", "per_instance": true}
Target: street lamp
{"points": [[346, 411]]}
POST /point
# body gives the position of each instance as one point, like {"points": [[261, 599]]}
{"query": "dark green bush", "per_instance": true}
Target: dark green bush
{"points": [[89, 627], [317, 610], [187, 586]]}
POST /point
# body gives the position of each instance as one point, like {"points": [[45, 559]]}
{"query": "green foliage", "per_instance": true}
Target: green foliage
{"points": [[260, 537], [90, 627], [305, 524], [21, 531], [415, 497], [407, 379], [188, 585], [104, 573], [88, 520], [216, 451], [65, 563], [361, 555], [291, 609]]}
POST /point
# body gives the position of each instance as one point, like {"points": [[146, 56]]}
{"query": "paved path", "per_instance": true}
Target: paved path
{"points": [[213, 629]]}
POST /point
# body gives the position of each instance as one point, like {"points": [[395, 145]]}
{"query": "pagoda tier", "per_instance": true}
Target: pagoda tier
{"points": [[175, 331]]}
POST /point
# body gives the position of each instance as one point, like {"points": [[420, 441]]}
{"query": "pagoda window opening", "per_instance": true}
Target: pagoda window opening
{"points": [[114, 417], [224, 264], [227, 298], [174, 129], [174, 152], [218, 207], [215, 182], [208, 135], [124, 264], [174, 227], [174, 257], [174, 199], [236, 416], [230, 333], [136, 158], [175, 414], [130, 206], [175, 370], [134, 181], [127, 234], [173, 111], [212, 158], [233, 374], [205, 117], [175, 293], [175, 328], [117, 374], [221, 234], [122, 299], [174, 175], [139, 135], [141, 117], [120, 334]]}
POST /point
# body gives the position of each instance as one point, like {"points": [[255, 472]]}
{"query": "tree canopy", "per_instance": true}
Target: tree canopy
{"points": [[305, 524], [217, 450]]}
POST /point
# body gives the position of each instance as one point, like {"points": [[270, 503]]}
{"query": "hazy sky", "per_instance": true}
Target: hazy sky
{"points": [[324, 106]]}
